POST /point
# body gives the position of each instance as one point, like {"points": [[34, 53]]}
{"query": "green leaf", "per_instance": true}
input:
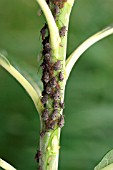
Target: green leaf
{"points": [[6, 165], [35, 95], [106, 163]]}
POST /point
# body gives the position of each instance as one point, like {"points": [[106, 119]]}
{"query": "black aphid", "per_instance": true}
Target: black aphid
{"points": [[56, 95], [57, 65], [48, 89], [47, 57], [44, 99], [62, 105], [62, 31], [56, 11], [47, 47], [38, 155], [56, 105], [43, 31], [42, 133], [61, 121], [53, 82], [51, 125], [45, 77], [61, 76], [45, 114], [54, 114]]}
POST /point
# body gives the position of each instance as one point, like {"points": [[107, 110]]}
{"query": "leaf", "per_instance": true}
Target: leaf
{"points": [[35, 95], [106, 163], [84, 46], [6, 165]]}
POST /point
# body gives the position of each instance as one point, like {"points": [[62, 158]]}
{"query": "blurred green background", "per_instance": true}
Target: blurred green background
{"points": [[88, 132]]}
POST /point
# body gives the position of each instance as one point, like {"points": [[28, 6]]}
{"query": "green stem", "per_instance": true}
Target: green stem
{"points": [[49, 143], [54, 33]]}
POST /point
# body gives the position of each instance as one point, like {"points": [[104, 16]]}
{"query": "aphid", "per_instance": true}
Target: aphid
{"points": [[56, 105], [47, 57], [57, 65], [38, 155], [48, 89], [46, 40], [45, 77], [62, 105], [42, 133], [61, 76], [56, 11], [62, 31], [47, 47], [44, 99], [54, 114], [50, 125], [61, 121], [43, 31], [56, 95], [45, 114], [53, 82]]}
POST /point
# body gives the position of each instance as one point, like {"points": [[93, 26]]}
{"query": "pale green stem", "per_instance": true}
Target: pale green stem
{"points": [[27, 86], [54, 33], [84, 46], [6, 165]]}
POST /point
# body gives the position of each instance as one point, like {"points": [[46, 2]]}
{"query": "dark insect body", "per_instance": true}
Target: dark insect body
{"points": [[38, 155], [53, 82], [57, 65], [56, 105], [50, 125], [42, 133], [48, 89], [61, 105], [43, 31], [45, 114], [54, 114], [61, 76], [62, 31], [56, 95], [45, 77], [61, 121], [44, 99]]}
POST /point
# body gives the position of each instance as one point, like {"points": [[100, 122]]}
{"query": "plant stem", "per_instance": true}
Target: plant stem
{"points": [[49, 142]]}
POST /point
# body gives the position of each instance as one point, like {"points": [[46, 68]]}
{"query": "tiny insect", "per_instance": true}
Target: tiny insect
{"points": [[54, 114], [44, 99], [62, 31], [61, 76], [45, 77], [47, 57], [43, 31], [53, 82], [56, 95], [48, 89], [61, 105], [56, 105], [61, 121], [56, 11], [38, 155], [50, 125], [47, 47], [45, 114], [42, 133], [57, 65]]}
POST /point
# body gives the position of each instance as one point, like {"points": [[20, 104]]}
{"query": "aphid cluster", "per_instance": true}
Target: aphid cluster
{"points": [[51, 78]]}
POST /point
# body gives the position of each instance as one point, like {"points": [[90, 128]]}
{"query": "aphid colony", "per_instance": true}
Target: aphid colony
{"points": [[51, 76]]}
